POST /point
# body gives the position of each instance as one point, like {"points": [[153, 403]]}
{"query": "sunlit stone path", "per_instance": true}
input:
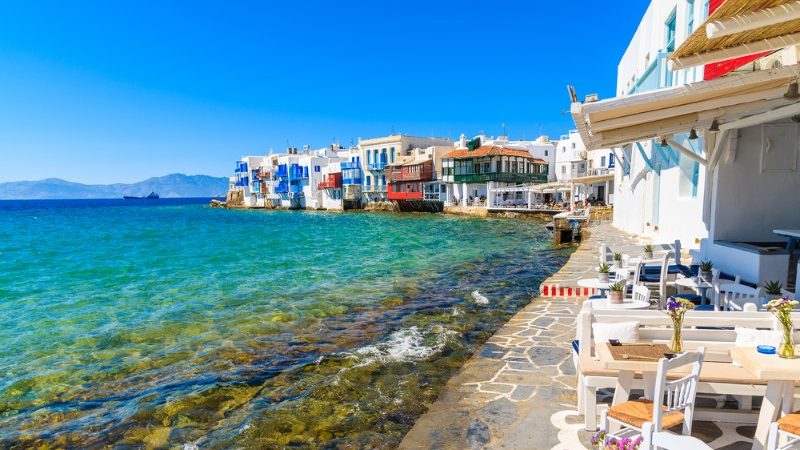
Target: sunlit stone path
{"points": [[518, 392]]}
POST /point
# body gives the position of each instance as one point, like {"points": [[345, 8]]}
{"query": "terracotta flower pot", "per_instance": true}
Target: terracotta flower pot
{"points": [[615, 297], [603, 277]]}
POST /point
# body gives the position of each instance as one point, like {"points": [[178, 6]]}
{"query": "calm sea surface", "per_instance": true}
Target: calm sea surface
{"points": [[165, 323]]}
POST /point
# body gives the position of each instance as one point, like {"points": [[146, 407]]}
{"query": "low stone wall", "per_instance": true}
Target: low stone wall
{"points": [[380, 206], [466, 211]]}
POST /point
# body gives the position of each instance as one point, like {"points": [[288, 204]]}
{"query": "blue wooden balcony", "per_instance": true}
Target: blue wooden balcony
{"points": [[296, 172], [282, 171], [350, 165]]}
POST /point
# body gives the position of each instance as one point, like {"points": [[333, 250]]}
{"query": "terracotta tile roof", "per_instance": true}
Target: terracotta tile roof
{"points": [[489, 150]]}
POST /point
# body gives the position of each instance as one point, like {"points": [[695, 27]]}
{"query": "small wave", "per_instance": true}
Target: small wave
{"points": [[479, 299], [406, 345]]}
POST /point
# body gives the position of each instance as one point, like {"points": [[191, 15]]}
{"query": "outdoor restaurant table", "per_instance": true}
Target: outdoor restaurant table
{"points": [[793, 235], [606, 304], [701, 286], [627, 370], [780, 375], [595, 283]]}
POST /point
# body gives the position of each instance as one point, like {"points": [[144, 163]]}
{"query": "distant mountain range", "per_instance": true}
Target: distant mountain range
{"points": [[173, 185]]}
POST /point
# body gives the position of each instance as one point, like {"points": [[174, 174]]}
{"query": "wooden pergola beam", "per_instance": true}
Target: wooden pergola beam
{"points": [[685, 151]]}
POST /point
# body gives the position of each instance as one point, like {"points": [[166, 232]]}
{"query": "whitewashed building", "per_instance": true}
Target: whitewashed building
{"points": [[378, 153], [708, 153], [247, 179], [590, 172]]}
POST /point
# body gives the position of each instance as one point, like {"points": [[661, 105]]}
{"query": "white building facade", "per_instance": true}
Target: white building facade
{"points": [[378, 153], [658, 190]]}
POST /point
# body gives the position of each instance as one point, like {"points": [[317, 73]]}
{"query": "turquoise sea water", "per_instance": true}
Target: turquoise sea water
{"points": [[167, 323]]}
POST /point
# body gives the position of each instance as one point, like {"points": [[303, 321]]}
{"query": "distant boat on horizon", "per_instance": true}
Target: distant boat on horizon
{"points": [[150, 196]]}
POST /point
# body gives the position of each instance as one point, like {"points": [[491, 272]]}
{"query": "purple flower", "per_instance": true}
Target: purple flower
{"points": [[673, 304]]}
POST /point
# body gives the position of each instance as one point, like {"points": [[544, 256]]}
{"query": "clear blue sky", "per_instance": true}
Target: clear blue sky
{"points": [[102, 92]]}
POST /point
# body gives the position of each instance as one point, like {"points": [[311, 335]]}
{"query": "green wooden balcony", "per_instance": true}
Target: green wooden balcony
{"points": [[501, 177]]}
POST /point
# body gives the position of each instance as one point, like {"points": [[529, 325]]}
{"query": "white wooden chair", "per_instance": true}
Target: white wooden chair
{"points": [[640, 293], [662, 281], [733, 296], [652, 416], [787, 428], [606, 255]]}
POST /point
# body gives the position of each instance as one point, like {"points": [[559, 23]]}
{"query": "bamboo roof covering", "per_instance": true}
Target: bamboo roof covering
{"points": [[699, 42], [664, 112]]}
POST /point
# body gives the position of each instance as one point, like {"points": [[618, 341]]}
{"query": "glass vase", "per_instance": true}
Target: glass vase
{"points": [[676, 344], [786, 348]]}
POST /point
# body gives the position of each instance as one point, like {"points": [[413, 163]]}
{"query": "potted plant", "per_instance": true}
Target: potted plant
{"points": [[648, 251], [604, 270], [616, 292], [676, 308], [773, 289], [782, 310], [617, 260], [705, 271]]}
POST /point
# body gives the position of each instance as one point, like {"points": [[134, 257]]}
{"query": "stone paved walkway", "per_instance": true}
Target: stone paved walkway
{"points": [[518, 392]]}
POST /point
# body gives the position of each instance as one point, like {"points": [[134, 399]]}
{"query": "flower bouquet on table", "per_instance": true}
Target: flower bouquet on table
{"points": [[599, 442], [676, 308], [782, 308]]}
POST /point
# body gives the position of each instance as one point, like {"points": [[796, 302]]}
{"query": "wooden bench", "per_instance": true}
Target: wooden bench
{"points": [[712, 329]]}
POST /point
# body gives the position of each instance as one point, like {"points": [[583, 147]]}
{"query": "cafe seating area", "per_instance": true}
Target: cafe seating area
{"points": [[662, 333]]}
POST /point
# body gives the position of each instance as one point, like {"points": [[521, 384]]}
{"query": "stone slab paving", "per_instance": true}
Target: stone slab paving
{"points": [[518, 391]]}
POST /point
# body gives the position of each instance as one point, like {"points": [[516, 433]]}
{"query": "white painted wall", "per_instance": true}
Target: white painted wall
{"points": [[570, 152], [757, 191], [659, 205], [650, 39]]}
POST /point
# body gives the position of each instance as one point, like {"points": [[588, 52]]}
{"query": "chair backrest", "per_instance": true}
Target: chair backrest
{"points": [[605, 254], [677, 395], [733, 296], [640, 293], [662, 281]]}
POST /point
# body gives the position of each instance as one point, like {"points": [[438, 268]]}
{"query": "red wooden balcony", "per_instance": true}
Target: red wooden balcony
{"points": [[331, 181], [422, 171], [405, 191]]}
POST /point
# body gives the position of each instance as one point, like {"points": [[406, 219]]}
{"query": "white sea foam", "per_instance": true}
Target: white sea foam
{"points": [[409, 344], [479, 299]]}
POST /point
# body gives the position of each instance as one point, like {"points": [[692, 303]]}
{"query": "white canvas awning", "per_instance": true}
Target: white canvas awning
{"points": [[591, 179], [664, 112]]}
